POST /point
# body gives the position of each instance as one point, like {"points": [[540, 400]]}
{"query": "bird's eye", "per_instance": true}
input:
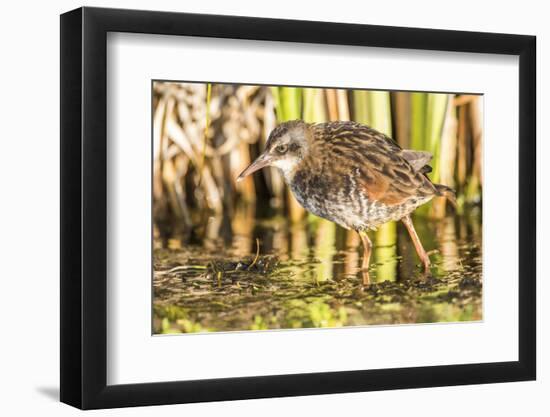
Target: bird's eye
{"points": [[281, 148]]}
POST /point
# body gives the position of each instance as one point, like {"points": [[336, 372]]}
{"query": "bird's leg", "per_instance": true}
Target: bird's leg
{"points": [[424, 258], [367, 249]]}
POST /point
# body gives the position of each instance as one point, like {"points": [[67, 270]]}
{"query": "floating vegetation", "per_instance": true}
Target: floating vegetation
{"points": [[200, 290]]}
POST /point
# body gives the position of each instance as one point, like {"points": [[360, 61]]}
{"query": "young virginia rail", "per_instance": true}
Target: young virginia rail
{"points": [[353, 175]]}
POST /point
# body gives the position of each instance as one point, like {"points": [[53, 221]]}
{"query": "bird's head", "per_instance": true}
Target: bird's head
{"points": [[285, 149]]}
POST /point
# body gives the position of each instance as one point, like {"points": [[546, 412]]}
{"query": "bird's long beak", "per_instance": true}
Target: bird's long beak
{"points": [[261, 161]]}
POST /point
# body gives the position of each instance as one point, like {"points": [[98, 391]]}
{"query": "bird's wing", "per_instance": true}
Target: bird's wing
{"points": [[380, 167]]}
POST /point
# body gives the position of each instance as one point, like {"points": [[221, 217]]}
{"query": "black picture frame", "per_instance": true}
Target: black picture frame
{"points": [[84, 207]]}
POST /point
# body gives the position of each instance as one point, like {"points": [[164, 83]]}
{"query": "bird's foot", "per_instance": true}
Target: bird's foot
{"points": [[426, 267]]}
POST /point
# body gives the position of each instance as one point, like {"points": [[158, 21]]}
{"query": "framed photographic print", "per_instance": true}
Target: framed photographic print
{"points": [[256, 208]]}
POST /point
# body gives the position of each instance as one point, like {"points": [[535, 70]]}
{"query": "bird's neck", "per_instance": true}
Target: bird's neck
{"points": [[287, 168], [306, 164], [288, 173]]}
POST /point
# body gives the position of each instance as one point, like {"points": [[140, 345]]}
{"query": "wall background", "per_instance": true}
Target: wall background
{"points": [[29, 209]]}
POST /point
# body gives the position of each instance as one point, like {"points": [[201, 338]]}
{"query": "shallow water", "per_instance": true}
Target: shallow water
{"points": [[308, 275]]}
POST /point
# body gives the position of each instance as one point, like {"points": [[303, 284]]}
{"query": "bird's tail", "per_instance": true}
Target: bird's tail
{"points": [[448, 192]]}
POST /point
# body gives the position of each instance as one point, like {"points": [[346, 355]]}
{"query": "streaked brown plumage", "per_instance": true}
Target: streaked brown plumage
{"points": [[351, 174]]}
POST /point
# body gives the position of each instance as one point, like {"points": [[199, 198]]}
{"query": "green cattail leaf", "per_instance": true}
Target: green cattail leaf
{"points": [[436, 106], [360, 106], [379, 108]]}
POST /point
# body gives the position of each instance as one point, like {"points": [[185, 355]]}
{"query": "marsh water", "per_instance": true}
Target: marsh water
{"points": [[253, 272]]}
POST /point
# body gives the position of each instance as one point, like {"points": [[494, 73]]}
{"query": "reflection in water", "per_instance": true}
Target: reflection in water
{"points": [[312, 275]]}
